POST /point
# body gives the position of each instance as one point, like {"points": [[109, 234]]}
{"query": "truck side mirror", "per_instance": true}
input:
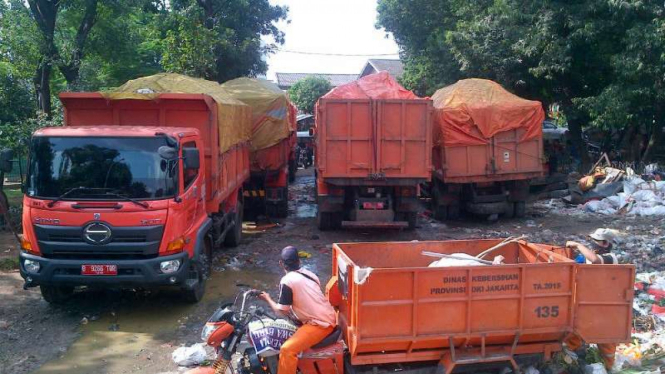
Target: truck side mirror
{"points": [[167, 153], [190, 158], [6, 156]]}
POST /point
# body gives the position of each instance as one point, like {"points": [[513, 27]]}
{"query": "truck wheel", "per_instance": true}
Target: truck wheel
{"points": [[440, 212], [282, 209], [234, 235], [293, 169], [510, 210], [56, 294], [412, 219], [323, 220], [520, 209], [453, 211], [199, 272]]}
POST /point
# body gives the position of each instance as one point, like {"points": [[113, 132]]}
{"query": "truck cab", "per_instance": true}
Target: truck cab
{"points": [[121, 206]]}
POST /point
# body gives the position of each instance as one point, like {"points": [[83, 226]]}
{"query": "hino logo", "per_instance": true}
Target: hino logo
{"points": [[97, 233]]}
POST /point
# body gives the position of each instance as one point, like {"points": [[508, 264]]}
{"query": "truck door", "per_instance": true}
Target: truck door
{"points": [[604, 302], [403, 143], [192, 195], [347, 132]]}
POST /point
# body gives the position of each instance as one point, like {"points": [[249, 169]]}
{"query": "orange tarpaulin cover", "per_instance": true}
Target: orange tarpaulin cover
{"points": [[375, 86], [472, 111]]}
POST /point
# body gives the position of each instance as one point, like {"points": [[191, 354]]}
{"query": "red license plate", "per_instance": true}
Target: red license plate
{"points": [[99, 269]]}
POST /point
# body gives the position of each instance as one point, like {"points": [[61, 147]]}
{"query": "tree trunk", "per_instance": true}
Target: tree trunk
{"points": [[42, 83], [575, 131], [71, 70], [44, 13], [656, 138]]}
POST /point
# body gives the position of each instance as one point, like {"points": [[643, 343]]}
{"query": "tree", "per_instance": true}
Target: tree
{"points": [[307, 91], [18, 52], [221, 39], [553, 51]]}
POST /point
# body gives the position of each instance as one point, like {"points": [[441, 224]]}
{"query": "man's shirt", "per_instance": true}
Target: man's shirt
{"points": [[300, 291]]}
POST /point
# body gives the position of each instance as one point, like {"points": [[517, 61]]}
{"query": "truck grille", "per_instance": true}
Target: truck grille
{"points": [[134, 242]]}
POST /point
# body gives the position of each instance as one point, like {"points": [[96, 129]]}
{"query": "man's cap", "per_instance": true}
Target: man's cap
{"points": [[604, 234], [290, 255]]}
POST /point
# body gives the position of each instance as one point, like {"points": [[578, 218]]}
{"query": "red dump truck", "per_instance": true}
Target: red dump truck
{"points": [[373, 148], [488, 144], [272, 145], [396, 310], [136, 189]]}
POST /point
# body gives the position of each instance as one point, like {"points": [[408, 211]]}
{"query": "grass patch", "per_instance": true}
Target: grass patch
{"points": [[15, 197], [10, 263]]}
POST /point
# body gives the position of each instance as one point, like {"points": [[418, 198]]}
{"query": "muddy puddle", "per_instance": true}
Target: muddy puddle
{"points": [[139, 335], [302, 203]]}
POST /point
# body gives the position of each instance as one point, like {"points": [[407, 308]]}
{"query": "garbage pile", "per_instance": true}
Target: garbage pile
{"points": [[639, 197], [647, 350]]}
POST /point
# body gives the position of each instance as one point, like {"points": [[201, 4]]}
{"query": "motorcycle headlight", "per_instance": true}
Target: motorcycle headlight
{"points": [[208, 329]]}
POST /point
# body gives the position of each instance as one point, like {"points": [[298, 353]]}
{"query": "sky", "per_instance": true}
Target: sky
{"points": [[329, 26]]}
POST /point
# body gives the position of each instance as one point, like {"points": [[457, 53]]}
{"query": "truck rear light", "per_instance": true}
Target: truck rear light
{"points": [[176, 245], [373, 206]]}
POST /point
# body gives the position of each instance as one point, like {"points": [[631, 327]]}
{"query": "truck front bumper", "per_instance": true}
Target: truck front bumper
{"points": [[135, 272]]}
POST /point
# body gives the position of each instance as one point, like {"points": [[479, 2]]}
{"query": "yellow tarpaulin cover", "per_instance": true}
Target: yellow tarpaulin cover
{"points": [[273, 115], [233, 116], [484, 105]]}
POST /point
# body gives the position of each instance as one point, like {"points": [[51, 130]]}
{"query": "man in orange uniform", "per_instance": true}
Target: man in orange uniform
{"points": [[300, 295], [602, 240]]}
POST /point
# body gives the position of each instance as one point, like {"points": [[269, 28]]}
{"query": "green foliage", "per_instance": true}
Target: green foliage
{"points": [[221, 40], [601, 61], [307, 91], [17, 135]]}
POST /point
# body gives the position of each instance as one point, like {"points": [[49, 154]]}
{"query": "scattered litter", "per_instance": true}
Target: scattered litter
{"points": [[84, 321], [4, 325], [303, 254], [114, 327], [596, 368], [189, 356], [531, 370]]}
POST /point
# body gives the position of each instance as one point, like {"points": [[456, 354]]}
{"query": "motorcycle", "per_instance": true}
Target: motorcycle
{"points": [[249, 332]]}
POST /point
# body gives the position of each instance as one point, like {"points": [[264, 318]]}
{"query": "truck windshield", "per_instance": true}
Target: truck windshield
{"points": [[108, 168]]}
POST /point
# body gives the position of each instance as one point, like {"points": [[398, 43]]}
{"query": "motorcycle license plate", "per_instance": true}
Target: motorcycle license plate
{"points": [[99, 269]]}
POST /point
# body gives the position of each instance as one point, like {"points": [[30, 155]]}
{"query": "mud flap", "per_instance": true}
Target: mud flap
{"points": [[604, 302]]}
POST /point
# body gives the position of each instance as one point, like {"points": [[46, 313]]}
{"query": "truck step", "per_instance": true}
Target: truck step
{"points": [[375, 224]]}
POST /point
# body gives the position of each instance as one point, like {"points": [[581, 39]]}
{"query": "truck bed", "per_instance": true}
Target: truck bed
{"points": [[394, 308]]}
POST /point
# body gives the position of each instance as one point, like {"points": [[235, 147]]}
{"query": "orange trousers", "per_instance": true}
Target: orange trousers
{"points": [[607, 351], [303, 339]]}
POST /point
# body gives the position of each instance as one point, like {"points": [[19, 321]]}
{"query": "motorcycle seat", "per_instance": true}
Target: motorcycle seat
{"points": [[329, 340]]}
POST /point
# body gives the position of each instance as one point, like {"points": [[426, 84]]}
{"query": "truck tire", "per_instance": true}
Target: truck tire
{"points": [[412, 219], [199, 270], [293, 169], [323, 220], [282, 209], [510, 210], [453, 211], [234, 235], [56, 294], [440, 212], [520, 209]]}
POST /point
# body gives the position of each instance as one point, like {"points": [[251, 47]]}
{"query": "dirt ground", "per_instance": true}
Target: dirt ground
{"points": [[134, 331]]}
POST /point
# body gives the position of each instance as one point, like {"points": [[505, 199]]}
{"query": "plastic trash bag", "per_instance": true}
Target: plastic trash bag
{"points": [[189, 356], [596, 368]]}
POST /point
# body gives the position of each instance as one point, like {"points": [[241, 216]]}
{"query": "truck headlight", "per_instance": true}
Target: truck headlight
{"points": [[31, 266], [168, 267]]}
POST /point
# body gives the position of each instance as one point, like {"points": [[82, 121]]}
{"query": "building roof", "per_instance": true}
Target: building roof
{"points": [[286, 80], [394, 67]]}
